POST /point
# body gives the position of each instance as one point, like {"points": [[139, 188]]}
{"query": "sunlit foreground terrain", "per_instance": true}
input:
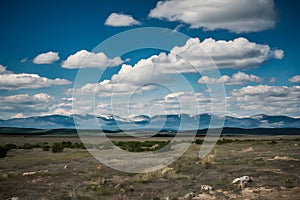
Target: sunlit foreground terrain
{"points": [[268, 168]]}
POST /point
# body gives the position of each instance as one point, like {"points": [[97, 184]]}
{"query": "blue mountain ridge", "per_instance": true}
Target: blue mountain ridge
{"points": [[172, 122]]}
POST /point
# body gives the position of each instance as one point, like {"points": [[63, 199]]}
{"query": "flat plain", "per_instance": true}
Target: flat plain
{"points": [[272, 161]]}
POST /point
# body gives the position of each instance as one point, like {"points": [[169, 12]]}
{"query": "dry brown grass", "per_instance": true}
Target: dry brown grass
{"points": [[208, 160]]}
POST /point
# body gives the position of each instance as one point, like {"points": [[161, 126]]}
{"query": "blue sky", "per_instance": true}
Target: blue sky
{"points": [[254, 45]]}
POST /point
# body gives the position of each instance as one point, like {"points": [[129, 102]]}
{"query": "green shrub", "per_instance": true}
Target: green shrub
{"points": [[67, 144], [3, 152], [37, 145], [198, 141], [135, 146], [10, 146], [287, 180], [26, 146], [224, 141], [78, 145], [46, 147], [57, 147]]}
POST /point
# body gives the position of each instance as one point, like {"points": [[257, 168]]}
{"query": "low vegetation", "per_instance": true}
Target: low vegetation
{"points": [[287, 182], [198, 141], [224, 141], [76, 174], [131, 146], [3, 151], [135, 146], [56, 147]]}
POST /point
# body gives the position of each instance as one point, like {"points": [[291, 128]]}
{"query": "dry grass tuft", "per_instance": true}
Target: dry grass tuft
{"points": [[208, 160], [166, 172]]}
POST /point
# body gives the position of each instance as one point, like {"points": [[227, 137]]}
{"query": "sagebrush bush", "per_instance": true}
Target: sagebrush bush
{"points": [[57, 148], [67, 144], [198, 141], [46, 147], [136, 146], [10, 146], [27, 146], [3, 152]]}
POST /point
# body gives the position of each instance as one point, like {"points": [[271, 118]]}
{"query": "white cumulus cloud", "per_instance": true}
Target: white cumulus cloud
{"points": [[3, 70], [278, 54], [46, 58], [86, 59], [118, 19], [238, 78], [12, 81], [233, 15], [193, 57], [295, 79], [237, 53], [197, 56]]}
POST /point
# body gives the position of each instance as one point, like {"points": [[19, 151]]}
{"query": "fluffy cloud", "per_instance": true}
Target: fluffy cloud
{"points": [[197, 56], [193, 57], [237, 53], [25, 103], [41, 104], [117, 19], [265, 91], [61, 107], [46, 58], [26, 98], [295, 79], [109, 88], [238, 78], [274, 100], [3, 70], [233, 15], [87, 59], [11, 81], [278, 54]]}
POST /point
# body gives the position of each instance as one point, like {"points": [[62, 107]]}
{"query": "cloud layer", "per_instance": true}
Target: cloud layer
{"points": [[46, 58], [118, 19], [12, 81], [25, 103], [234, 15], [274, 100], [86, 59], [238, 78]]}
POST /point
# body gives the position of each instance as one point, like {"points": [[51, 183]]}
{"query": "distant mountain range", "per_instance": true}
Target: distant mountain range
{"points": [[182, 122]]}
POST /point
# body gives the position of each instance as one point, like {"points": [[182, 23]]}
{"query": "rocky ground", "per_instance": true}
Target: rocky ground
{"points": [[271, 166]]}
